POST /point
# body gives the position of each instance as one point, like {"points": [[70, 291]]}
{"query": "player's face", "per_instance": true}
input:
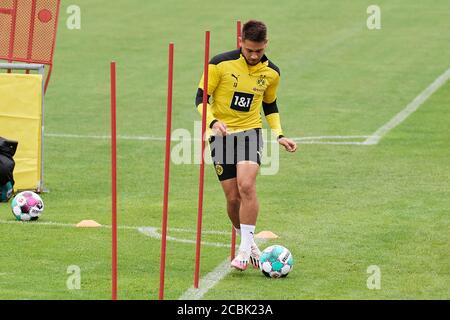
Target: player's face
{"points": [[253, 51]]}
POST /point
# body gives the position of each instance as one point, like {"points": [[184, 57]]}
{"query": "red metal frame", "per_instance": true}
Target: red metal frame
{"points": [[53, 46], [12, 12], [166, 174], [31, 34], [11, 58], [13, 29]]}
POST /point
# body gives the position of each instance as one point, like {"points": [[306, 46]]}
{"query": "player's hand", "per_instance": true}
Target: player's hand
{"points": [[288, 144], [220, 129]]}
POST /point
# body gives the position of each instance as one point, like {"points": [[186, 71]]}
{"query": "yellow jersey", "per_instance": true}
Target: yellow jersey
{"points": [[240, 92]]}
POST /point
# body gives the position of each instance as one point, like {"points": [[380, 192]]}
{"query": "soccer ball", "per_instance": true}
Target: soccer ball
{"points": [[27, 206], [276, 262]]}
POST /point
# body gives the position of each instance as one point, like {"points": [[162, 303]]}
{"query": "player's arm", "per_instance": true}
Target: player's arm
{"points": [[272, 114], [213, 81]]}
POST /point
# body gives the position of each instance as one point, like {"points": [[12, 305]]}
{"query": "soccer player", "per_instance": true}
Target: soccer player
{"points": [[241, 83]]}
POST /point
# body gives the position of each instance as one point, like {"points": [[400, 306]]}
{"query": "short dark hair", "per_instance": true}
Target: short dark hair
{"points": [[255, 31]]}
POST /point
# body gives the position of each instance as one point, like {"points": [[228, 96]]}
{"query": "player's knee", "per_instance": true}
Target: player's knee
{"points": [[247, 189], [234, 201]]}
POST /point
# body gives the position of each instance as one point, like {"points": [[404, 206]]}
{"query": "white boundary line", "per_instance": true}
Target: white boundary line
{"points": [[410, 109], [301, 140], [70, 225], [147, 231], [330, 137], [105, 137], [152, 233], [332, 142]]}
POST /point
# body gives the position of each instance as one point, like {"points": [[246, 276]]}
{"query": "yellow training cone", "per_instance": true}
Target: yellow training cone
{"points": [[88, 224], [266, 235]]}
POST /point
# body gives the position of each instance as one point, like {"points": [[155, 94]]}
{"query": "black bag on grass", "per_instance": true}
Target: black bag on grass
{"points": [[7, 151]]}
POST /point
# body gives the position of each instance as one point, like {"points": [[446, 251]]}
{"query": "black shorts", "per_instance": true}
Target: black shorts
{"points": [[228, 151]]}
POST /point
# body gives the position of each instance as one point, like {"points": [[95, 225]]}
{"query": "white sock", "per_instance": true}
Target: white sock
{"points": [[238, 232], [247, 233]]}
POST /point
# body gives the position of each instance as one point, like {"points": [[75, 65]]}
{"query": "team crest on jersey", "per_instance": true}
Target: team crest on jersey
{"points": [[219, 170], [262, 81]]}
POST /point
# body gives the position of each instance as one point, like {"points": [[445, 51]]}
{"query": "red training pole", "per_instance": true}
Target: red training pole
{"points": [[114, 179], [238, 33], [202, 161], [233, 231], [166, 175]]}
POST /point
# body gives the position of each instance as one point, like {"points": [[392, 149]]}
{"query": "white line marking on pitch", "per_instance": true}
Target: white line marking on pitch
{"points": [[69, 225], [410, 108], [104, 137], [207, 282], [330, 138], [148, 231], [302, 140], [332, 142], [211, 279], [152, 233]]}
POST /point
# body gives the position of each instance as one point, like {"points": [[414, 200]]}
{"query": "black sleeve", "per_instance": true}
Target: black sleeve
{"points": [[270, 108], [199, 98]]}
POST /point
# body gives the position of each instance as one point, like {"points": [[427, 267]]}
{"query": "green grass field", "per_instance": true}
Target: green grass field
{"points": [[339, 208]]}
